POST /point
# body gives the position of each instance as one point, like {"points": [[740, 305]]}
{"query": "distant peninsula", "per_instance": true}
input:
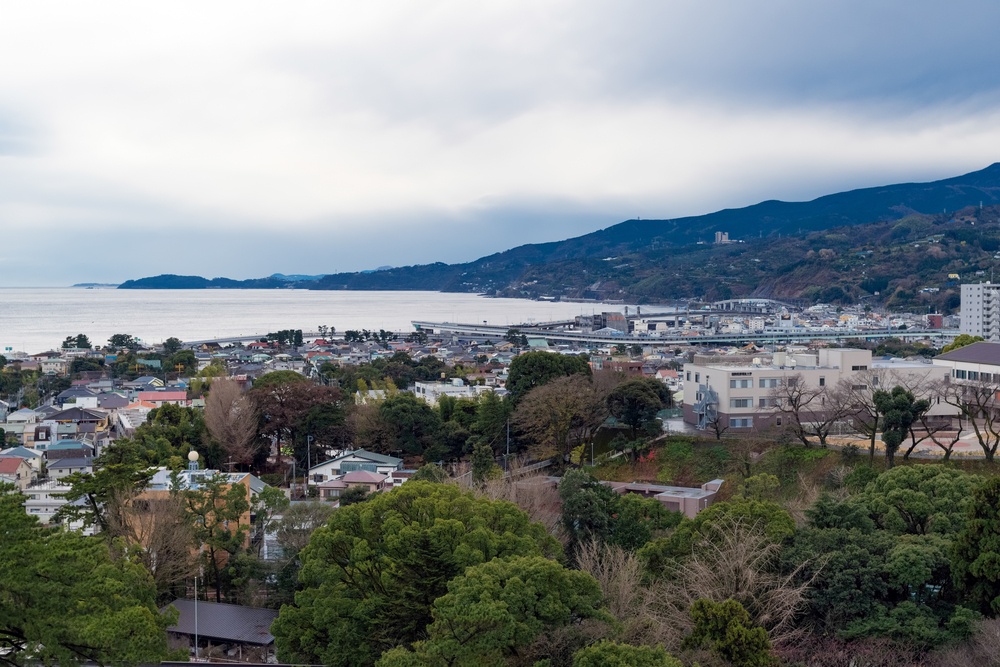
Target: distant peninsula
{"points": [[172, 281]]}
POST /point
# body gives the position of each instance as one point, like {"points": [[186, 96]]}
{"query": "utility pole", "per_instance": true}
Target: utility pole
{"points": [[196, 617]]}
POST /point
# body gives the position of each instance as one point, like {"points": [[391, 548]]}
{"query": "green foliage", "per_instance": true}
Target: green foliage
{"points": [[591, 510], [961, 340], [172, 345], [613, 654], [975, 553], [533, 369], [64, 600], [79, 341], [278, 378], [878, 563], [726, 629], [430, 472], [353, 495], [635, 402], [123, 342], [920, 499], [483, 466], [899, 410], [215, 509], [414, 426], [121, 471], [370, 576], [495, 610]]}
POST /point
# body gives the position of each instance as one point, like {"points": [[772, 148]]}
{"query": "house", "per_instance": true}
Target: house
{"points": [[354, 460], [22, 416], [45, 499], [53, 366], [17, 471], [242, 633], [63, 467], [164, 397], [32, 456]]}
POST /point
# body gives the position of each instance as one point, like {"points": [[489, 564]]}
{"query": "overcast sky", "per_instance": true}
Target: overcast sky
{"points": [[245, 138]]}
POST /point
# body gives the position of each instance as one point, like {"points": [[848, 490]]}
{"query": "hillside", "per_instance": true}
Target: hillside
{"points": [[837, 248]]}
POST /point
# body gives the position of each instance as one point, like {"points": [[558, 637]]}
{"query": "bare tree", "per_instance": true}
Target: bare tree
{"points": [[977, 403], [811, 411], [717, 426], [560, 415], [736, 561], [630, 599], [155, 530], [232, 418]]}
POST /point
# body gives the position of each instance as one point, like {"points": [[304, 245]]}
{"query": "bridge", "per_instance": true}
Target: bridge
{"points": [[497, 333]]}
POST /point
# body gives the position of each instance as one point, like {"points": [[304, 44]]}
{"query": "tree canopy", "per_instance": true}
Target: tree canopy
{"points": [[371, 574], [63, 599]]}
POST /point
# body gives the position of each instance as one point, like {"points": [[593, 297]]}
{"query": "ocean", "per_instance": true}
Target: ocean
{"points": [[36, 319]]}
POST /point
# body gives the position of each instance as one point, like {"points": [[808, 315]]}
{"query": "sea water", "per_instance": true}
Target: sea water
{"points": [[37, 319]]}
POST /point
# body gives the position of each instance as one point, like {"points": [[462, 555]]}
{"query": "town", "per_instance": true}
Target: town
{"points": [[215, 461]]}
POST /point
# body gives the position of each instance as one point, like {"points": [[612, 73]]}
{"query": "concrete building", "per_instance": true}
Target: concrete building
{"points": [[743, 393], [981, 310], [979, 362]]}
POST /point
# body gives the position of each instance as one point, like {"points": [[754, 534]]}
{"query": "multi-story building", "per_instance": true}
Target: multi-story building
{"points": [[981, 310], [743, 393]]}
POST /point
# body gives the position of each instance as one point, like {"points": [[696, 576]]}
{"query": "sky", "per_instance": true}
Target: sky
{"points": [[245, 138]]}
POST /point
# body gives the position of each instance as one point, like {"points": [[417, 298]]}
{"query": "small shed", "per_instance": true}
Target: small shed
{"points": [[229, 628]]}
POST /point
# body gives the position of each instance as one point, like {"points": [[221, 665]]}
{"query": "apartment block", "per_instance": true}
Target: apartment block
{"points": [[981, 310]]}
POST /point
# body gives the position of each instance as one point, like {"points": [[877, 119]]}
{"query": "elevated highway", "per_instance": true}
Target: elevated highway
{"points": [[497, 333]]}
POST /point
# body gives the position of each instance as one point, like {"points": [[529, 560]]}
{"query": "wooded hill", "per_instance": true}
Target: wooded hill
{"points": [[839, 248]]}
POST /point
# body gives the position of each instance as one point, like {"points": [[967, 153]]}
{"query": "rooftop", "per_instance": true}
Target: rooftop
{"points": [[226, 622]]}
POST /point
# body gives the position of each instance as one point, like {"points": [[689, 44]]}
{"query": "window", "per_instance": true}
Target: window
{"points": [[961, 375], [697, 377], [768, 383], [859, 387], [822, 381], [740, 384], [859, 368], [687, 376], [777, 421], [767, 402], [741, 402], [741, 422], [973, 375]]}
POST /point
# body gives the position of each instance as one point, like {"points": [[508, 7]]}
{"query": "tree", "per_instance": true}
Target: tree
{"points": [[232, 418], [414, 424], [495, 610], [172, 346], [612, 654], [533, 369], [290, 409], [592, 511], [560, 415], [725, 629], [121, 473], [65, 600], [219, 516], [961, 340], [430, 472], [899, 411], [484, 467], [976, 400], [371, 574], [975, 555], [123, 342], [79, 341], [353, 495], [811, 411], [635, 402]]}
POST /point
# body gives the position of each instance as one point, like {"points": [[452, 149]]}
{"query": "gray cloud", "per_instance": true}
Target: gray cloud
{"points": [[240, 139]]}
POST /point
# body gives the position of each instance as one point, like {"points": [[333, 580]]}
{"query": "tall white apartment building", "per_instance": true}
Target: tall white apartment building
{"points": [[981, 310]]}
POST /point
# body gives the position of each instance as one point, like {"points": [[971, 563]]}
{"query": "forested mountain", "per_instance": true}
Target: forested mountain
{"points": [[894, 240]]}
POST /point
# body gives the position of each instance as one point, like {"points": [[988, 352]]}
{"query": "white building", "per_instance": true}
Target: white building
{"points": [[981, 310]]}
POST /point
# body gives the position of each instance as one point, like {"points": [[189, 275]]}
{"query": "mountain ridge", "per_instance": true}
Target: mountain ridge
{"points": [[644, 243]]}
